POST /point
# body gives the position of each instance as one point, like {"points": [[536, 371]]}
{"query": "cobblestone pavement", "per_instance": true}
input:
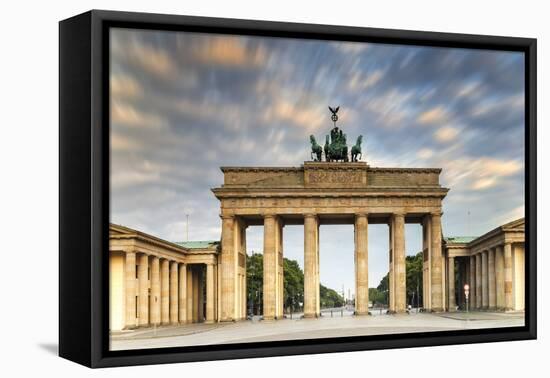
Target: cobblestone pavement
{"points": [[294, 329]]}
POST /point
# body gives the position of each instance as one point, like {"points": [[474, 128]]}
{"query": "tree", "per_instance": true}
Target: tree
{"points": [[254, 282], [414, 268], [330, 298], [414, 278], [383, 290], [293, 286]]}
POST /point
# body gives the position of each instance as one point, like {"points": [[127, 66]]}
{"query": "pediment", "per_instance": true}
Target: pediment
{"points": [[517, 225]]}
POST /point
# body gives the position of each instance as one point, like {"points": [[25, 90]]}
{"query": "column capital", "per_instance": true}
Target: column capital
{"points": [[269, 216], [310, 215], [436, 213], [361, 214], [399, 214], [227, 216]]}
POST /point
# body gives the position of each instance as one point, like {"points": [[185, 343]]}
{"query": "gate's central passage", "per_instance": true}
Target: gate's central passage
{"points": [[319, 193]]}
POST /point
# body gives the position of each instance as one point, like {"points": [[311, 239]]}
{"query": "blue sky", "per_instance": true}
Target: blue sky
{"points": [[184, 104]]}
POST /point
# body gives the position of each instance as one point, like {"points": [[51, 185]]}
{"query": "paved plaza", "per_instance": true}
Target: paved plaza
{"points": [[340, 324]]}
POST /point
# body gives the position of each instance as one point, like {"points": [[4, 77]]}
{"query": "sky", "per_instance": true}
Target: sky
{"points": [[184, 104]]}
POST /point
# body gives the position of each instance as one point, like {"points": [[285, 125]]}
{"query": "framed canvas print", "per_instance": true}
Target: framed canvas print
{"points": [[234, 188]]}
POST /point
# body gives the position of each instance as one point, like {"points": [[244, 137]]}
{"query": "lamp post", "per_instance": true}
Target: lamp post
{"points": [[467, 294]]}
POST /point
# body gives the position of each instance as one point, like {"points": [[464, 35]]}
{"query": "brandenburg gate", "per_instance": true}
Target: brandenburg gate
{"points": [[327, 192]]}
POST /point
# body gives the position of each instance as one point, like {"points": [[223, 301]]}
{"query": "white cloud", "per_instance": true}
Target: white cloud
{"points": [[360, 81], [446, 134], [425, 153], [129, 115], [152, 59], [123, 86], [231, 52], [433, 116]]}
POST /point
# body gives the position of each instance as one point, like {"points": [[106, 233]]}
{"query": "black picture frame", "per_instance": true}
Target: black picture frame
{"points": [[84, 188]]}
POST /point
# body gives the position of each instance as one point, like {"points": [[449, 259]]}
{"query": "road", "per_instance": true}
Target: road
{"points": [[298, 328]]}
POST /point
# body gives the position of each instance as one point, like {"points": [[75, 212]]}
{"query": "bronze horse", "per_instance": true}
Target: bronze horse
{"points": [[315, 149], [356, 150]]}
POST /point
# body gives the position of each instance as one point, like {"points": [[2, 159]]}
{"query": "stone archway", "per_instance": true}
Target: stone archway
{"points": [[327, 192]]}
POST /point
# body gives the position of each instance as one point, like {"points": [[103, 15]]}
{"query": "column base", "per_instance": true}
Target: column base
{"points": [[310, 316], [399, 311], [361, 313]]}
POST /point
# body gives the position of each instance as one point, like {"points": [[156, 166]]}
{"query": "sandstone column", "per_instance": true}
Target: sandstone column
{"points": [[280, 269], [164, 291], [508, 303], [400, 274], [317, 271], [499, 271], [311, 286], [270, 268], [436, 261], [190, 305], [143, 279], [492, 280], [182, 294], [484, 280], [426, 263], [451, 286], [174, 305], [210, 293], [478, 281], [361, 265], [472, 300], [155, 291], [130, 289], [391, 275], [228, 269]]}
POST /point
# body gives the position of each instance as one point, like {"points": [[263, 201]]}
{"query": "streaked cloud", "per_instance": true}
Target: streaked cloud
{"points": [[230, 51], [156, 61], [124, 87], [361, 82], [184, 104], [434, 116], [129, 115], [446, 134]]}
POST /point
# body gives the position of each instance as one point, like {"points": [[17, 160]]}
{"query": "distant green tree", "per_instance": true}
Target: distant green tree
{"points": [[330, 298], [414, 278], [293, 286], [377, 297], [254, 282], [414, 267], [382, 289]]}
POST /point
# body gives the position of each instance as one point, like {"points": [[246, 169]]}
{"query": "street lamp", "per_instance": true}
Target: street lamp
{"points": [[467, 294]]}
